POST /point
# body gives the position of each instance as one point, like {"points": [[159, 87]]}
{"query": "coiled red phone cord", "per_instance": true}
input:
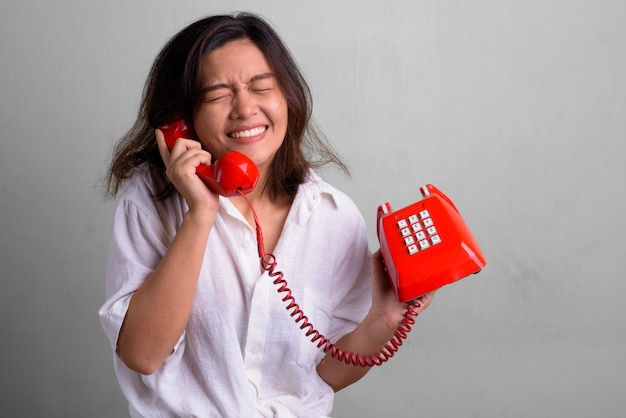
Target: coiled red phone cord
{"points": [[269, 264]]}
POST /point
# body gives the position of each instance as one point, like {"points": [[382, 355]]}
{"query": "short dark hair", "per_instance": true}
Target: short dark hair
{"points": [[173, 90]]}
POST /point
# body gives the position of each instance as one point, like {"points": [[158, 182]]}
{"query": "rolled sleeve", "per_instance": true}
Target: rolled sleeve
{"points": [[138, 240]]}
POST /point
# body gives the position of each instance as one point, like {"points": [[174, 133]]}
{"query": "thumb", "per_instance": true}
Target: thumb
{"points": [[380, 280]]}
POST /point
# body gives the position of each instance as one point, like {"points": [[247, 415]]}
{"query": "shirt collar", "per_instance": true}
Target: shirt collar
{"points": [[308, 197]]}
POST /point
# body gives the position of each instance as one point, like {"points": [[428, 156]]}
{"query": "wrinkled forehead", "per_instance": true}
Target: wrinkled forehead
{"points": [[235, 62]]}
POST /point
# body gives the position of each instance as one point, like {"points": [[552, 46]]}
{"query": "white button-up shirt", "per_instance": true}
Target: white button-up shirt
{"points": [[242, 354]]}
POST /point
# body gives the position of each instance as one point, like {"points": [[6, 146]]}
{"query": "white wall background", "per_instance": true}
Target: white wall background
{"points": [[517, 110]]}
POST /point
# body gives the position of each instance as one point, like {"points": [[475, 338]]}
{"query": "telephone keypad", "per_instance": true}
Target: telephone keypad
{"points": [[419, 232]]}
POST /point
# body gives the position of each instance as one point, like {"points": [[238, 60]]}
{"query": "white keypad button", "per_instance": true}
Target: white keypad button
{"points": [[423, 227]]}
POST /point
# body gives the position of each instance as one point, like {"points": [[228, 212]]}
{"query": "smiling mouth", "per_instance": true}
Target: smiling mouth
{"points": [[248, 133]]}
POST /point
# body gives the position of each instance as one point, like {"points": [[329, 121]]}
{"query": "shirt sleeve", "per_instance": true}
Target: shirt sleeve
{"points": [[138, 241]]}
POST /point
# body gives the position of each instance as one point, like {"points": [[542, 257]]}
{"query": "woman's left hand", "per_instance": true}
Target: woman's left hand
{"points": [[376, 330], [384, 299]]}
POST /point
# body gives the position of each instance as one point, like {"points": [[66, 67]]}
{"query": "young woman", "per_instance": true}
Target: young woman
{"points": [[197, 325]]}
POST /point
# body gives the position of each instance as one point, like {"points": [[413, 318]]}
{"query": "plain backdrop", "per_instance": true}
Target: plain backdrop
{"points": [[516, 110]]}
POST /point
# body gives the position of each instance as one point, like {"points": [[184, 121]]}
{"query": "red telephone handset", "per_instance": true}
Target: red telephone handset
{"points": [[426, 245], [231, 174]]}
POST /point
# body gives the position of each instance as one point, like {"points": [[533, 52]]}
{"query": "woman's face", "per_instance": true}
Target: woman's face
{"points": [[242, 107]]}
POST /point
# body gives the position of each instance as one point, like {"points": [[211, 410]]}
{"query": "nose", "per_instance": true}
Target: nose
{"points": [[244, 105]]}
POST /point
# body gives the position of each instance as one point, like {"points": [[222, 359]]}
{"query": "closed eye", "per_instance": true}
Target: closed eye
{"points": [[262, 83], [216, 98]]}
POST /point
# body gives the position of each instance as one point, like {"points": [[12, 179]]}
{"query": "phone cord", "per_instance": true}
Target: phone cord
{"points": [[269, 264]]}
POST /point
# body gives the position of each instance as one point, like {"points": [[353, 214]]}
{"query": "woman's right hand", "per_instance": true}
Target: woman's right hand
{"points": [[180, 168]]}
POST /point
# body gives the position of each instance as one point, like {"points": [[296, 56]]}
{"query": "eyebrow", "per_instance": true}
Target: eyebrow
{"points": [[218, 86]]}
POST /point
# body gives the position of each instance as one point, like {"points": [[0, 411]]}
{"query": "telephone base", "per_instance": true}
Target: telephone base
{"points": [[426, 245]]}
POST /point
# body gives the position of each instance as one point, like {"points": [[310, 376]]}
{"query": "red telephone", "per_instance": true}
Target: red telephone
{"points": [[426, 245], [231, 174]]}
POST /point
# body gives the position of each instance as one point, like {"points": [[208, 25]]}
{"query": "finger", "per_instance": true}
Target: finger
{"points": [[163, 150], [428, 298], [421, 303], [379, 261], [379, 272]]}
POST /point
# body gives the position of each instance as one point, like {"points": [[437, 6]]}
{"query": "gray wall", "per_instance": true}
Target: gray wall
{"points": [[517, 110]]}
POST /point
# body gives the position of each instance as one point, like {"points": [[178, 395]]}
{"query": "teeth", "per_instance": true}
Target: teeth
{"points": [[248, 133]]}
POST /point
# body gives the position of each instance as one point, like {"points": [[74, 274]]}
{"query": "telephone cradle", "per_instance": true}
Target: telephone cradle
{"points": [[426, 245]]}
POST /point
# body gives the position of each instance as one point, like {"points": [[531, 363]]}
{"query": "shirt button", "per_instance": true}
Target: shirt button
{"points": [[255, 349], [246, 244]]}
